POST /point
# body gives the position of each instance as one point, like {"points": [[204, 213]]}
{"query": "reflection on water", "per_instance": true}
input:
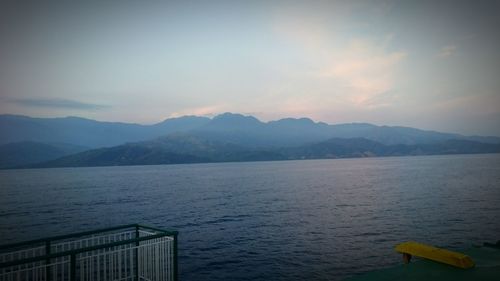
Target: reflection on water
{"points": [[291, 220]]}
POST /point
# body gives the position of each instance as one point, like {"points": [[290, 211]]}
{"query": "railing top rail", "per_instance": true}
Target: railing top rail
{"points": [[155, 228], [79, 234], [87, 249]]}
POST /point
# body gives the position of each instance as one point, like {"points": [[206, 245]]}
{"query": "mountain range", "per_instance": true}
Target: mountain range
{"points": [[74, 141]]}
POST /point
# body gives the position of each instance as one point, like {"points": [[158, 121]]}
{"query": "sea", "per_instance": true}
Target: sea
{"points": [[283, 220]]}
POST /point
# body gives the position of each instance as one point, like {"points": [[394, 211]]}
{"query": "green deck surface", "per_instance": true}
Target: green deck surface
{"points": [[487, 267]]}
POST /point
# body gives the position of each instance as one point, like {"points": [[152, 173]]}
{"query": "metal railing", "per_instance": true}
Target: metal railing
{"points": [[128, 252]]}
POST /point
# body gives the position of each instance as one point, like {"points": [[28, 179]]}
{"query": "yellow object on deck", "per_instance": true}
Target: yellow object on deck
{"points": [[436, 254]]}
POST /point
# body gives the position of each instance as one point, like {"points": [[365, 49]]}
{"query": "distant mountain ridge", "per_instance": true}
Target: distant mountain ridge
{"points": [[227, 127], [25, 141], [87, 132]]}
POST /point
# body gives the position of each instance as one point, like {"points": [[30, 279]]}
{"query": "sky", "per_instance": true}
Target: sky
{"points": [[425, 64]]}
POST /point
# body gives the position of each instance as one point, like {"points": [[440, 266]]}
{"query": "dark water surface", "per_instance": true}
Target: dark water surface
{"points": [[291, 220]]}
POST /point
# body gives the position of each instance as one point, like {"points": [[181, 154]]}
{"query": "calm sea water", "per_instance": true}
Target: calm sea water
{"points": [[290, 220]]}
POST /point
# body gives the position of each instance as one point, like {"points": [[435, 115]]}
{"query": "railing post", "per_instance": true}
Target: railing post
{"points": [[72, 270], [47, 261], [137, 253], [176, 265]]}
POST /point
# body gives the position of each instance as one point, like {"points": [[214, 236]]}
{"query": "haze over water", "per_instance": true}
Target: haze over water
{"points": [[289, 220]]}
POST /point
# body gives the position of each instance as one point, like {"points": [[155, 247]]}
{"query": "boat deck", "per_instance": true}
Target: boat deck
{"points": [[487, 267]]}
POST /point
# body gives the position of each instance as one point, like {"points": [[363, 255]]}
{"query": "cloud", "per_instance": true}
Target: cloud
{"points": [[57, 103], [447, 51], [366, 69], [207, 111], [338, 75], [382, 99]]}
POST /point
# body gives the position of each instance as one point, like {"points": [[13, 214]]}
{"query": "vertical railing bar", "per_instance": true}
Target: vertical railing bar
{"points": [[119, 260], [170, 260], [59, 260], [131, 258], [137, 253], [169, 270], [176, 265], [142, 251], [167, 259], [99, 261], [72, 268], [157, 261], [131, 261], [23, 255], [146, 260], [147, 257], [123, 254], [47, 261], [91, 262], [104, 262], [112, 265], [81, 269], [88, 259], [115, 264], [150, 259], [161, 260]]}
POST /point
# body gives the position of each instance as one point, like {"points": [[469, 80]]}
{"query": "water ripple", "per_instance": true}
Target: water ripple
{"points": [[291, 220]]}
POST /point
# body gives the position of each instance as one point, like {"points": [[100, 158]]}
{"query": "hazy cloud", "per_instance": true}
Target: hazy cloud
{"points": [[206, 111], [362, 70], [447, 51], [57, 103]]}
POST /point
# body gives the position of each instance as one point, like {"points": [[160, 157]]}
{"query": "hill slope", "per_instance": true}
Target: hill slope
{"points": [[177, 149], [184, 148], [23, 153]]}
